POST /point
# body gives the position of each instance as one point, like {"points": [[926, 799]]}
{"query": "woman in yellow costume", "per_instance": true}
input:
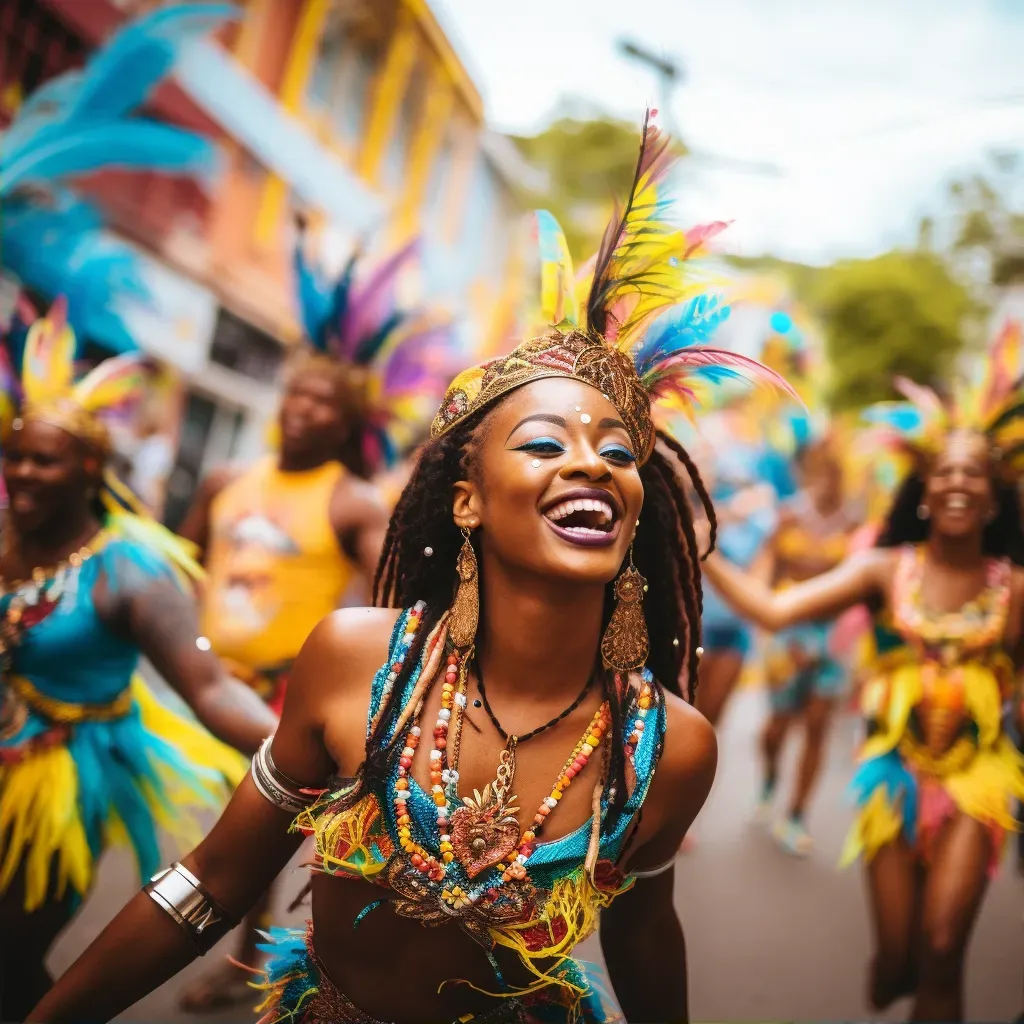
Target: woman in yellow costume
{"points": [[937, 775], [89, 583]]}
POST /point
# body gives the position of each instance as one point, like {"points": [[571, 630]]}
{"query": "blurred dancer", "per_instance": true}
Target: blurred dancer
{"points": [[746, 517], [284, 541], [89, 583], [938, 774], [802, 670]]}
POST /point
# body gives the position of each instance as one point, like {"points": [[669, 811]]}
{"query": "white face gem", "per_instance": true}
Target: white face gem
{"points": [[18, 423], [578, 408], [535, 463], [428, 551], [203, 643], [585, 418]]}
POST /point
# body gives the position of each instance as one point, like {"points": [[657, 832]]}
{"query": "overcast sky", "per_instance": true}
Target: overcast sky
{"points": [[864, 107]]}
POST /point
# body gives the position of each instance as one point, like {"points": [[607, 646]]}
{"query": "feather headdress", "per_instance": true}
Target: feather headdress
{"points": [[635, 324], [992, 404], [51, 394], [395, 361]]}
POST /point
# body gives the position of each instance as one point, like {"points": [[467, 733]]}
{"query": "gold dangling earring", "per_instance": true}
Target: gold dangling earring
{"points": [[625, 644], [465, 612]]}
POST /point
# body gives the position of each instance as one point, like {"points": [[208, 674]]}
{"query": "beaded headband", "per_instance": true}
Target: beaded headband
{"points": [[619, 342]]}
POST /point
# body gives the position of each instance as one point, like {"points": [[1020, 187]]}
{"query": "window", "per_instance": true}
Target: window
{"points": [[245, 349]]}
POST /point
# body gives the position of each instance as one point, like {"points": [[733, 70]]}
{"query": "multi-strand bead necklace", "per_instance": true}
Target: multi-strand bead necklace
{"points": [[492, 808]]}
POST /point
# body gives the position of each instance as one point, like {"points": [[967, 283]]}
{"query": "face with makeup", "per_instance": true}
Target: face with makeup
{"points": [[554, 487], [958, 491]]}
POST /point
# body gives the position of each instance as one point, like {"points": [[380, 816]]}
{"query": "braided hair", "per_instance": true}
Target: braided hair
{"points": [[665, 552]]}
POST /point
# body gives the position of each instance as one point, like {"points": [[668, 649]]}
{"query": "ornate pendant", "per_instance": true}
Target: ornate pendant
{"points": [[485, 830]]}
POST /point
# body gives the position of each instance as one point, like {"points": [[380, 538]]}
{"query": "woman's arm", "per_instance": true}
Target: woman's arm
{"points": [[247, 848], [163, 622], [852, 581], [641, 936]]}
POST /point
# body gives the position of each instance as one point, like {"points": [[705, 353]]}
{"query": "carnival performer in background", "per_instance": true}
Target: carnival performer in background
{"points": [[285, 541], [938, 773], [89, 582], [548, 619], [745, 509], [805, 677]]}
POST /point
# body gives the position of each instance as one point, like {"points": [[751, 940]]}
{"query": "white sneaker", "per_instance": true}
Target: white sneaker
{"points": [[793, 837], [763, 809]]}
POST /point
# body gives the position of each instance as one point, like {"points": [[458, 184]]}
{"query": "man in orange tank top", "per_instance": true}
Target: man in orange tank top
{"points": [[284, 541]]}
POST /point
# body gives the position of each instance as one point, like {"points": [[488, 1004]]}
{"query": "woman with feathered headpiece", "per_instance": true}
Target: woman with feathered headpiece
{"points": [[548, 621], [938, 774], [89, 584]]}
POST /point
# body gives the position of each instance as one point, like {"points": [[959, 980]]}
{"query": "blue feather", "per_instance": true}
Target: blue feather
{"points": [[694, 324], [901, 416], [125, 71], [59, 151], [888, 771], [314, 299]]}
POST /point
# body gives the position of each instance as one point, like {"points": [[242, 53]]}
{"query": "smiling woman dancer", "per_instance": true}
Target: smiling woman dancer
{"points": [[536, 668], [88, 583], [938, 773]]}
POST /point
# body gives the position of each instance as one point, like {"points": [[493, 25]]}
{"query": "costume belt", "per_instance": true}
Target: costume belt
{"points": [[67, 712]]}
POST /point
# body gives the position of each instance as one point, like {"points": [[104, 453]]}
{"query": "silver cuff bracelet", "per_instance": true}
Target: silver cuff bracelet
{"points": [[178, 892], [274, 785]]}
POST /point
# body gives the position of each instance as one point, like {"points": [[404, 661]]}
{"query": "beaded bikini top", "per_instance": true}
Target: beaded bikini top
{"points": [[497, 882]]}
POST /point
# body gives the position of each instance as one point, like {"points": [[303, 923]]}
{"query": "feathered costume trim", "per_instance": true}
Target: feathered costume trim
{"points": [[993, 405], [396, 360], [611, 324]]}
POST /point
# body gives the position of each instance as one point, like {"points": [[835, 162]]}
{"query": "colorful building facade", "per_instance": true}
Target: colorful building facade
{"points": [[357, 113]]}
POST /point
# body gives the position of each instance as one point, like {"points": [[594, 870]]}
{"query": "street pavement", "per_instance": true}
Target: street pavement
{"points": [[769, 937]]}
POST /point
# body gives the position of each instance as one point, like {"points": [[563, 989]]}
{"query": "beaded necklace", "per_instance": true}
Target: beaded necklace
{"points": [[480, 872]]}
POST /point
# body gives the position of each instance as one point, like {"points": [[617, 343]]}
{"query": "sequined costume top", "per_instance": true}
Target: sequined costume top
{"points": [[541, 917], [934, 715]]}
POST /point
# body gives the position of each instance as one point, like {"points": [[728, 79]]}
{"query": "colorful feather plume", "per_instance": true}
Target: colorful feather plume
{"points": [[48, 367], [403, 356]]}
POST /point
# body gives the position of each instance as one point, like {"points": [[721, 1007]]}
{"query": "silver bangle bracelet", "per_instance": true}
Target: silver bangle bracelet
{"points": [[274, 785], [181, 895], [654, 872]]}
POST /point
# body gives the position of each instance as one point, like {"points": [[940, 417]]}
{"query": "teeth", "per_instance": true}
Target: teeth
{"points": [[581, 505], [956, 502]]}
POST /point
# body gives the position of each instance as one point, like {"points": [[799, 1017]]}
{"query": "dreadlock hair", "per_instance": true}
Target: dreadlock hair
{"points": [[1003, 536], [665, 552]]}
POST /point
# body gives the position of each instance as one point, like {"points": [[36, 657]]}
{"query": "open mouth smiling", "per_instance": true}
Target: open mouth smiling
{"points": [[586, 516]]}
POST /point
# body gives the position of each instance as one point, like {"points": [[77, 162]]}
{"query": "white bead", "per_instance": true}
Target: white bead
{"points": [[521, 859], [446, 775], [638, 725], [419, 606], [415, 730], [551, 802], [700, 651], [435, 755], [443, 715], [675, 641], [446, 839], [460, 699], [586, 749], [436, 789], [454, 775], [428, 551], [407, 752], [402, 795]]}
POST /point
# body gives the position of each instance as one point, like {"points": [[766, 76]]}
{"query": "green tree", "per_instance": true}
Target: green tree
{"points": [[899, 314], [589, 160]]}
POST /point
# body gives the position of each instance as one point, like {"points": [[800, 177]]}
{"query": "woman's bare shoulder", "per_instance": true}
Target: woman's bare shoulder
{"points": [[691, 747], [352, 639]]}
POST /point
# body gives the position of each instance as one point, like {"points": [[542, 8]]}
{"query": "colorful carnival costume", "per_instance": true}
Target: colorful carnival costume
{"points": [[443, 857], [937, 743], [934, 712], [87, 754]]}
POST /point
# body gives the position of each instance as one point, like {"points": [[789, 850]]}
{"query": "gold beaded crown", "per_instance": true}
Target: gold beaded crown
{"points": [[616, 339]]}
